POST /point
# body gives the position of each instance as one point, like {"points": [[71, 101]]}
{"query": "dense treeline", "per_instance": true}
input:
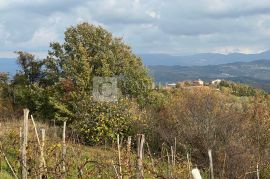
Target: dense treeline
{"points": [[232, 120]]}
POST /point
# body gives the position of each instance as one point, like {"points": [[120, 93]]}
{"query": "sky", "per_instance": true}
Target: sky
{"points": [[148, 26]]}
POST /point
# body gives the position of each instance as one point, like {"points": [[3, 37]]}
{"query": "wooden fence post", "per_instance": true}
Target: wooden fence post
{"points": [[64, 149], [119, 156], [24, 144], [54, 129], [21, 139], [140, 143], [41, 147], [189, 166], [174, 150], [36, 132], [42, 164], [172, 155], [128, 151], [211, 163], [257, 171]]}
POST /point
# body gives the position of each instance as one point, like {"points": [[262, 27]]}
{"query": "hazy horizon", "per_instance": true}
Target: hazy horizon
{"points": [[43, 54]]}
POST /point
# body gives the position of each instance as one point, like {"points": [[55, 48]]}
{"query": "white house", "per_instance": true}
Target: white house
{"points": [[198, 82], [170, 85], [216, 82]]}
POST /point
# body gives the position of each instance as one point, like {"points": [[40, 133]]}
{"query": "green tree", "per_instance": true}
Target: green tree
{"points": [[25, 86], [104, 56], [63, 91], [30, 68]]}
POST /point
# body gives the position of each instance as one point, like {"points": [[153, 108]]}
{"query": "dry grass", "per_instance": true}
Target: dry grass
{"points": [[81, 161]]}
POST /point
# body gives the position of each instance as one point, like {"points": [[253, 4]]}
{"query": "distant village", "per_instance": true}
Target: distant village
{"points": [[189, 84]]}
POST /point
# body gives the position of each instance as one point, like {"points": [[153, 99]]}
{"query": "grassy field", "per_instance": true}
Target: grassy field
{"points": [[80, 161]]}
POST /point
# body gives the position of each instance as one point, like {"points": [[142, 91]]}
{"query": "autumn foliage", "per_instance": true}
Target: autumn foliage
{"points": [[233, 120]]}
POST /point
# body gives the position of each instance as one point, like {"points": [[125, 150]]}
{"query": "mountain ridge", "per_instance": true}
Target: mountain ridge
{"points": [[201, 59], [255, 73]]}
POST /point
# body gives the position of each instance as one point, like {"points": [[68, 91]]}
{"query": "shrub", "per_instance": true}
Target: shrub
{"points": [[203, 118], [100, 122]]}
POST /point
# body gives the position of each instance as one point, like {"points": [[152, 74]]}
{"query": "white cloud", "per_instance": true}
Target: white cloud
{"points": [[238, 49], [175, 26], [43, 36], [4, 34]]}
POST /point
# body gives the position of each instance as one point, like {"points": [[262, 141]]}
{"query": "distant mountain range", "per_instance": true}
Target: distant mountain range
{"points": [[201, 59], [255, 73], [253, 69]]}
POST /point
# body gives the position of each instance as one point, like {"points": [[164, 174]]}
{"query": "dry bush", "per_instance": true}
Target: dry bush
{"points": [[236, 129]]}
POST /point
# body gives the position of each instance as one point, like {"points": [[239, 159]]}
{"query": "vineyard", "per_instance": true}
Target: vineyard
{"points": [[36, 150]]}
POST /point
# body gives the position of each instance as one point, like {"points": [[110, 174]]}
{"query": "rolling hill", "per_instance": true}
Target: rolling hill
{"points": [[255, 73], [201, 59]]}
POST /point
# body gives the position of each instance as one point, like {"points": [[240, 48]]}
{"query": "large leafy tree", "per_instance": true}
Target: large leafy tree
{"points": [[67, 79], [90, 51], [60, 87]]}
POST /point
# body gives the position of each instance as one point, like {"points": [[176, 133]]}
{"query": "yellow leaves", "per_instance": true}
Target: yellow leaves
{"points": [[55, 146]]}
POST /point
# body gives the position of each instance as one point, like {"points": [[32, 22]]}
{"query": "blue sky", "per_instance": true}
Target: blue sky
{"points": [[148, 26]]}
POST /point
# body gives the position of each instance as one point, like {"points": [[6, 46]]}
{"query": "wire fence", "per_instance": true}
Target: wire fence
{"points": [[26, 152]]}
